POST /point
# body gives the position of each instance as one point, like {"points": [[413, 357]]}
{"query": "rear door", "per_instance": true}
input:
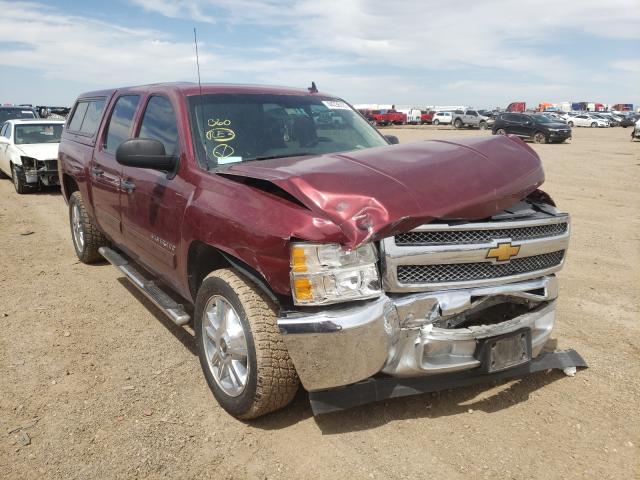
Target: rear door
{"points": [[518, 125], [153, 202], [106, 173]]}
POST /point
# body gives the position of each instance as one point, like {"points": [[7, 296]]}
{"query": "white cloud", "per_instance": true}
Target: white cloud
{"points": [[424, 49]]}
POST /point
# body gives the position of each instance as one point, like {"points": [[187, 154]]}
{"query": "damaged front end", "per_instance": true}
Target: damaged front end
{"points": [[461, 299], [40, 172]]}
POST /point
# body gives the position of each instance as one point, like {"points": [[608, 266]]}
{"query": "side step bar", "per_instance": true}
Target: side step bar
{"points": [[173, 310]]}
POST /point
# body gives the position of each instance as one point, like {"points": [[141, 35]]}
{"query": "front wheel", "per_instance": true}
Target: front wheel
{"points": [[539, 137], [501, 131], [87, 239], [20, 180], [483, 125], [594, 124], [241, 350], [436, 122], [570, 124]]}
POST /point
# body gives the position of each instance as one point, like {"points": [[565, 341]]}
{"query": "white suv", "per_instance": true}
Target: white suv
{"points": [[440, 118]]}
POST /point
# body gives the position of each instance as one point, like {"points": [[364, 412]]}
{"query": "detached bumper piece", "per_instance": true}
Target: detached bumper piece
{"points": [[383, 388]]}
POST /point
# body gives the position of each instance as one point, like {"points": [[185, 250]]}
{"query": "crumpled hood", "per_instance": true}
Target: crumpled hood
{"points": [[377, 192], [39, 151]]}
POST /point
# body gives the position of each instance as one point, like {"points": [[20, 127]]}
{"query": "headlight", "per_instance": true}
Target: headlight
{"points": [[327, 273]]}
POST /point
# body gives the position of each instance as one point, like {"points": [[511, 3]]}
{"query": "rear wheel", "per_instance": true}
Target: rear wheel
{"points": [[457, 123], [20, 180], [241, 350], [570, 124], [501, 131], [85, 235], [539, 137]]}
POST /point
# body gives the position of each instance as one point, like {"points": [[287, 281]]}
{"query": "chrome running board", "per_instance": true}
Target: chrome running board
{"points": [[160, 299]]}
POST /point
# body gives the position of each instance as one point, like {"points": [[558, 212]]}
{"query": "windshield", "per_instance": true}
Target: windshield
{"points": [[38, 133], [233, 128], [13, 113]]}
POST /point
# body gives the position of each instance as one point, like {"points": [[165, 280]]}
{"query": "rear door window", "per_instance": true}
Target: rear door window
{"points": [[119, 128], [159, 123], [78, 116], [92, 117]]}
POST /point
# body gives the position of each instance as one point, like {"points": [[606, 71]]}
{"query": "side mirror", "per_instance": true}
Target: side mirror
{"points": [[392, 139], [4, 141], [144, 153]]}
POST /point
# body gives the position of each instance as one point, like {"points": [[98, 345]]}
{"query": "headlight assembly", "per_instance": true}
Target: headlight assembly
{"points": [[322, 274]]}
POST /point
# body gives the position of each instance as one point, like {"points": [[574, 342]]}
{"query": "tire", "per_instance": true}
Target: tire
{"points": [[20, 180], [436, 122], [501, 131], [539, 137], [594, 124], [85, 235], [269, 380], [570, 124], [458, 123], [483, 125]]}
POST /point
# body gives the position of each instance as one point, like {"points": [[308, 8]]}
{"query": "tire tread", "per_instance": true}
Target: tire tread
{"points": [[93, 237], [277, 381]]}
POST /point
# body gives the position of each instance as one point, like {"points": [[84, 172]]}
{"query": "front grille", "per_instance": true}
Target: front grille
{"points": [[460, 272], [457, 237]]}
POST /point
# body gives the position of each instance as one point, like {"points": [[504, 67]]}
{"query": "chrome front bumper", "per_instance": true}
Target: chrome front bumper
{"points": [[396, 334]]}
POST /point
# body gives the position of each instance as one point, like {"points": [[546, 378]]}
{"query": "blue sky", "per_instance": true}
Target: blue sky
{"points": [[483, 54]]}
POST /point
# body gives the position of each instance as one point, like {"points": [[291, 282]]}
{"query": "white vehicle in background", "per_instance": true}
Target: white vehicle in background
{"points": [[584, 120], [29, 152], [413, 115], [442, 118]]}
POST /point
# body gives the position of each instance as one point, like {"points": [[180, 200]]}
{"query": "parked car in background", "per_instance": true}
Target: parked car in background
{"points": [[538, 128], [13, 112], [413, 116], [29, 152], [426, 117], [585, 120], [554, 116], [388, 117], [635, 133], [442, 118], [628, 120], [469, 118]]}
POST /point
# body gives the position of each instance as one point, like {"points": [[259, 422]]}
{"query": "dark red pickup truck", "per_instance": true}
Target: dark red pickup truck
{"points": [[304, 247]]}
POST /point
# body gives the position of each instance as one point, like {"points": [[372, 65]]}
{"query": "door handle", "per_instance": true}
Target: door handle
{"points": [[98, 172], [127, 186]]}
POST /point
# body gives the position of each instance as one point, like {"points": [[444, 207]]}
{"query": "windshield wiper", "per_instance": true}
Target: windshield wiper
{"points": [[282, 155]]}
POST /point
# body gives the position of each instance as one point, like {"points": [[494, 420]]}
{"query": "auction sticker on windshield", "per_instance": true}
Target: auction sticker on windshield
{"points": [[336, 105]]}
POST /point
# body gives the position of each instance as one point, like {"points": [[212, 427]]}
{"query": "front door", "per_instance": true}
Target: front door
{"points": [[153, 202], [106, 173], [5, 132]]}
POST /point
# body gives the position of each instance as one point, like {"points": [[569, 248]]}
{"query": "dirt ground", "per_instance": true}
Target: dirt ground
{"points": [[96, 383]]}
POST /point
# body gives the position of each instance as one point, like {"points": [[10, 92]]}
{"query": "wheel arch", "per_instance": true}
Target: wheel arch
{"points": [[202, 259], [69, 185]]}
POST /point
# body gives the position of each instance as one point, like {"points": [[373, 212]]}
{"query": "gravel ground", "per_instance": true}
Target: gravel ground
{"points": [[97, 384]]}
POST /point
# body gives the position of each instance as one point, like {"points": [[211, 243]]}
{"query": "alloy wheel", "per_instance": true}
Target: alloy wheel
{"points": [[225, 345]]}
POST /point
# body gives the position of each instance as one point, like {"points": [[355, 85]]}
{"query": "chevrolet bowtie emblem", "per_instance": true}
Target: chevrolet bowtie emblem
{"points": [[503, 252]]}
